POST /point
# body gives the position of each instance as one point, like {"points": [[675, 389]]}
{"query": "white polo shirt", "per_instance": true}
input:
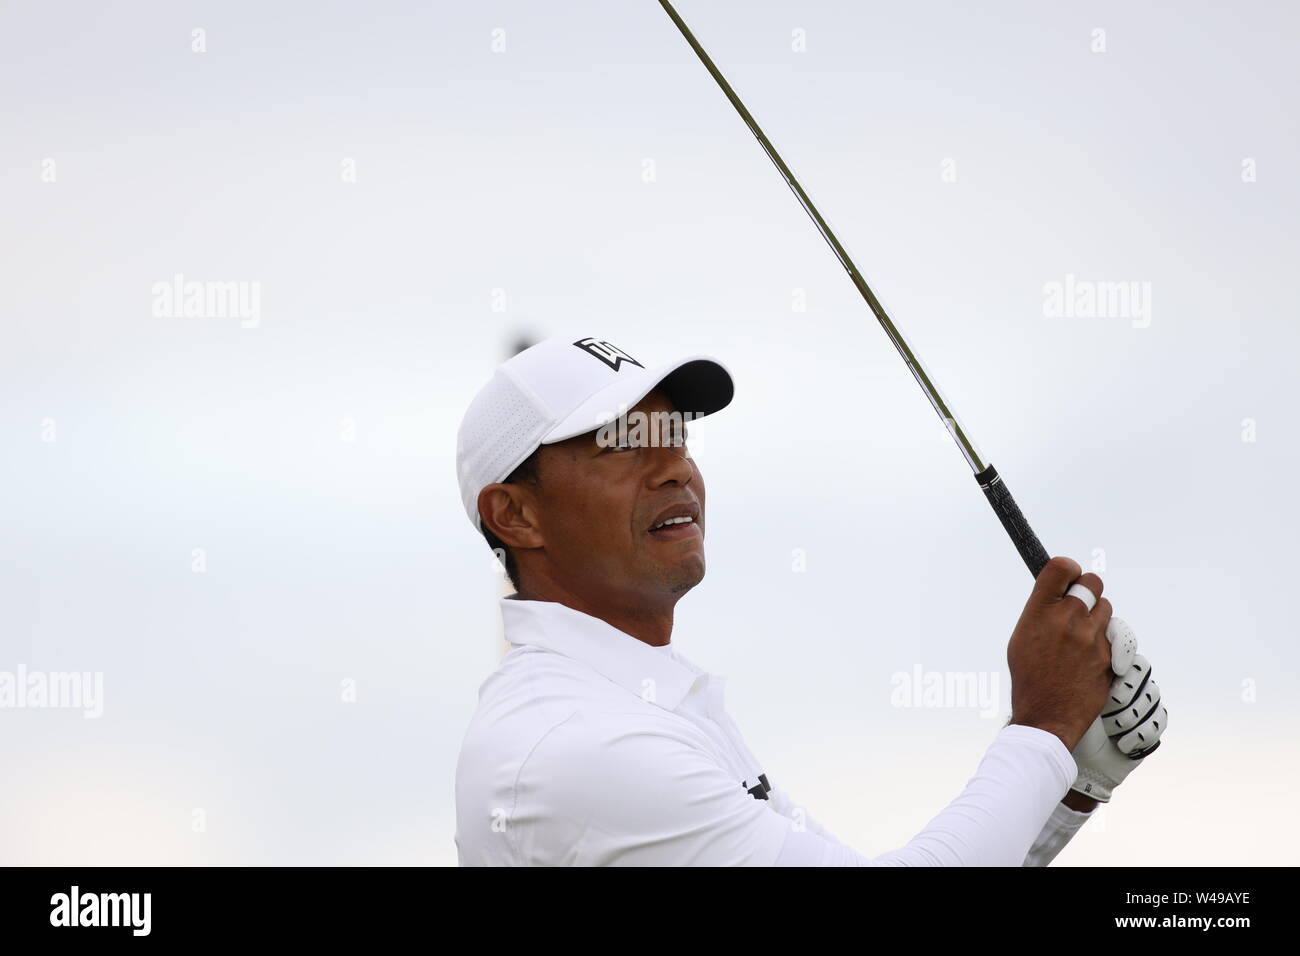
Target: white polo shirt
{"points": [[590, 747]]}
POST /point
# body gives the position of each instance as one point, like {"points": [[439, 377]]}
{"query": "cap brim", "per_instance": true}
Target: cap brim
{"points": [[699, 385]]}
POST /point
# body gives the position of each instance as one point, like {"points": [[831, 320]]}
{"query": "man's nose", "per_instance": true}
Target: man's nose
{"points": [[669, 464]]}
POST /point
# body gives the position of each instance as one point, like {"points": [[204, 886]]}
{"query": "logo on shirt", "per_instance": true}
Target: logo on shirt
{"points": [[611, 355]]}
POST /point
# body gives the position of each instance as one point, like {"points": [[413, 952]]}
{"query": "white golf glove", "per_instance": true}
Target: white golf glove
{"points": [[1132, 722]]}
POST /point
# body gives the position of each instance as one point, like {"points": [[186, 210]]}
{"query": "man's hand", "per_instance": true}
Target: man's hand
{"points": [[1131, 723], [1059, 656]]}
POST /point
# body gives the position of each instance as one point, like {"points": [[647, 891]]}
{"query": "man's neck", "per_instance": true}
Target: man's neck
{"points": [[653, 625]]}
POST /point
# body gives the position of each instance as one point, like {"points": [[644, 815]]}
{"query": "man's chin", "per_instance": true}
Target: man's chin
{"points": [[687, 573]]}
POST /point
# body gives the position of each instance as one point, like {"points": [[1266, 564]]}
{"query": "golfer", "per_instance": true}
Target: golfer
{"points": [[596, 743]]}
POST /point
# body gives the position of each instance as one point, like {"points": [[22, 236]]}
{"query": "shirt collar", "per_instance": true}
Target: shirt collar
{"points": [[634, 665]]}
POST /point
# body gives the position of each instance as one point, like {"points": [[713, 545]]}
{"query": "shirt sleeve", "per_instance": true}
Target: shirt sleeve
{"points": [[594, 793], [798, 815], [997, 820], [1061, 826]]}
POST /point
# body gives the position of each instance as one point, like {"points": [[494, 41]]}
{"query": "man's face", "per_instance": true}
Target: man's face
{"points": [[598, 505]]}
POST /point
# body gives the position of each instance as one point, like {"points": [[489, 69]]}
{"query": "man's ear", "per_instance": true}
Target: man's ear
{"points": [[509, 512]]}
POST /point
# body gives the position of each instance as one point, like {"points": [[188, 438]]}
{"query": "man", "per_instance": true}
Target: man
{"points": [[596, 743]]}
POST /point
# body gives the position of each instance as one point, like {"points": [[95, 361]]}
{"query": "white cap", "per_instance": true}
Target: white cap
{"points": [[558, 389]]}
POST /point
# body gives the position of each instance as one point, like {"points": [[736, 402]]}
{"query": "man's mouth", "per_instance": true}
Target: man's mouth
{"points": [[675, 529], [679, 521], [685, 519]]}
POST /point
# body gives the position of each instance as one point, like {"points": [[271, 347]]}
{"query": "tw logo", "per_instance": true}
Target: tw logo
{"points": [[611, 355]]}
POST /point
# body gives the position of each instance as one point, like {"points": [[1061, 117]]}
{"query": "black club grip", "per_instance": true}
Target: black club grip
{"points": [[1026, 542], [1008, 512]]}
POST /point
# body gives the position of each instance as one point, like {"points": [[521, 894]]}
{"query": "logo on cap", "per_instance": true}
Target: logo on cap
{"points": [[611, 355]]}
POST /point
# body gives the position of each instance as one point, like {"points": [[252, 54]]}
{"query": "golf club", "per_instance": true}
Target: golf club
{"points": [[994, 488]]}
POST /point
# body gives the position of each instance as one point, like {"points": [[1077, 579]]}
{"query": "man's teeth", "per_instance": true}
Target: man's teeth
{"points": [[682, 520]]}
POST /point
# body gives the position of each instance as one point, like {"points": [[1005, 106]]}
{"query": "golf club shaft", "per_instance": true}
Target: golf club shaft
{"points": [[994, 488]]}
